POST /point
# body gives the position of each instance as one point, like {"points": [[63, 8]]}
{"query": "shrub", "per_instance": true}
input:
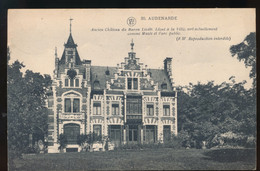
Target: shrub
{"points": [[62, 140]]}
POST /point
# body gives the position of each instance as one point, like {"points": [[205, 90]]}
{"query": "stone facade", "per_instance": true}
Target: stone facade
{"points": [[128, 103]]}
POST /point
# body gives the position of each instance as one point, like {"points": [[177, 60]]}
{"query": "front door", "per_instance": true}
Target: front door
{"points": [[166, 133], [72, 131], [150, 133], [114, 134], [133, 134]]}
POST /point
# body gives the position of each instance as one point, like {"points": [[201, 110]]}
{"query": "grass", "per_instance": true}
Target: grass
{"points": [[149, 159]]}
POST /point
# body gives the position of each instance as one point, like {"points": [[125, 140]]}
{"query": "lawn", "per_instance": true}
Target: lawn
{"points": [[150, 159]]}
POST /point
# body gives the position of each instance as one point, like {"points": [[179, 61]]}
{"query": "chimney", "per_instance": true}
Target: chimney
{"points": [[168, 66]]}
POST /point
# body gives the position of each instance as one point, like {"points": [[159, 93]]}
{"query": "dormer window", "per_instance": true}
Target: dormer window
{"points": [[107, 72], [150, 73], [164, 86], [96, 84]]}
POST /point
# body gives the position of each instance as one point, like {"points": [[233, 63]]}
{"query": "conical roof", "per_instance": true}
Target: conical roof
{"points": [[70, 42]]}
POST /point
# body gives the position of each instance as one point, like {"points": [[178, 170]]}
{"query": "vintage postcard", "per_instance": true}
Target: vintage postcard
{"points": [[131, 89]]}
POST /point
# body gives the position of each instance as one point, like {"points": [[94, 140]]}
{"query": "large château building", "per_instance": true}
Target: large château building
{"points": [[128, 103]]}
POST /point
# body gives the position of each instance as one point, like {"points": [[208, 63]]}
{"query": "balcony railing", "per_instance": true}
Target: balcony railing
{"points": [[71, 116]]}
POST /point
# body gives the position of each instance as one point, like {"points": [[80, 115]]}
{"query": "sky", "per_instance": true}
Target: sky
{"points": [[33, 35]]}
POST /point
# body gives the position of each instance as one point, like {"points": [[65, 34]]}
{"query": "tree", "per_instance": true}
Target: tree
{"points": [[206, 110], [246, 51], [25, 105]]}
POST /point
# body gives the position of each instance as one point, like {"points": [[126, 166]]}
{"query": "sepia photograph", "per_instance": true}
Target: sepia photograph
{"points": [[131, 89]]}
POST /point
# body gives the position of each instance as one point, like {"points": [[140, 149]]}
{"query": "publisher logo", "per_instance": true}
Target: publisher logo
{"points": [[131, 21]]}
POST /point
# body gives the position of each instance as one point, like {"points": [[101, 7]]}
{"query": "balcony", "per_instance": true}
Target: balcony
{"points": [[77, 116]]}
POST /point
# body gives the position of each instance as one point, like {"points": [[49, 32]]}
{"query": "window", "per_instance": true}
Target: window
{"points": [[129, 83], [97, 108], [97, 130], [134, 106], [150, 110], [69, 103], [115, 109], [135, 83], [50, 102], [164, 86], [71, 82], [77, 82], [96, 84], [132, 83], [66, 82], [70, 58], [76, 105], [107, 72], [70, 52], [166, 110]]}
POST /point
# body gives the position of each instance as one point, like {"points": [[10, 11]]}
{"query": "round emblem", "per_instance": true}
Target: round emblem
{"points": [[71, 73], [131, 21]]}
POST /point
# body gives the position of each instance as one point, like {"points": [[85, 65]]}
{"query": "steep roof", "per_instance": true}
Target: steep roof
{"points": [[70, 44], [98, 73], [159, 76]]}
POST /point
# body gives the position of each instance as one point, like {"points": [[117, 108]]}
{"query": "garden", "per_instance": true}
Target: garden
{"points": [[142, 159]]}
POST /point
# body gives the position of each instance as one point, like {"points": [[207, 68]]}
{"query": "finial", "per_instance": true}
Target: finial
{"points": [[55, 51], [70, 24], [132, 45]]}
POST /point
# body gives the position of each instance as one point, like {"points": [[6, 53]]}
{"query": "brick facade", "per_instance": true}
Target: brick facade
{"points": [[128, 103]]}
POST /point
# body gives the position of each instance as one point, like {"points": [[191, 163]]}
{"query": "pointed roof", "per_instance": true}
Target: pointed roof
{"points": [[70, 42]]}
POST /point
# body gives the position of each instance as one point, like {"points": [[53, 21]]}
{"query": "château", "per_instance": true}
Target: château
{"points": [[128, 103]]}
